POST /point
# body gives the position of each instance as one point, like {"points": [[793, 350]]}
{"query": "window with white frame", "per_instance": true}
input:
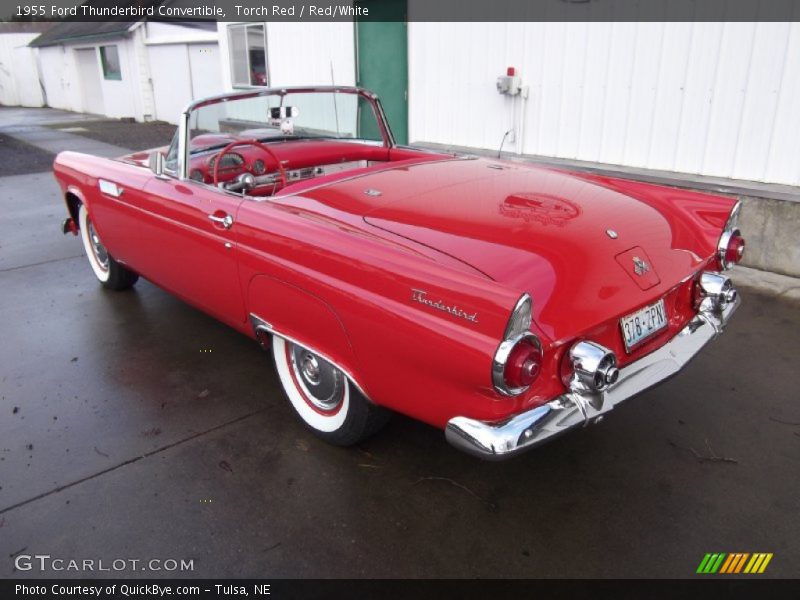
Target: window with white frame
{"points": [[248, 53], [109, 58]]}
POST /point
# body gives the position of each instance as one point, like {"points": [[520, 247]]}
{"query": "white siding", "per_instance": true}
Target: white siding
{"points": [[62, 80], [19, 79], [60, 77], [120, 97], [129, 97], [184, 65], [182, 73], [302, 53], [716, 99]]}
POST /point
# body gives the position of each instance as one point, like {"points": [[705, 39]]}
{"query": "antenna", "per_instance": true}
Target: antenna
{"points": [[335, 107], [503, 141]]}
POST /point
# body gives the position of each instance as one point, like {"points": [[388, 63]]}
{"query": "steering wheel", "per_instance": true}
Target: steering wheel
{"points": [[257, 144]]}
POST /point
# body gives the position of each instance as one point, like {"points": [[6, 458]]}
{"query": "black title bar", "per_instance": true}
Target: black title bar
{"points": [[389, 589], [404, 10]]}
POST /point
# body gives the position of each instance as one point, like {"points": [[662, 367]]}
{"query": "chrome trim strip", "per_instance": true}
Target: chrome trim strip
{"points": [[381, 115], [526, 297], [729, 230], [259, 324], [183, 146], [497, 441], [280, 91]]}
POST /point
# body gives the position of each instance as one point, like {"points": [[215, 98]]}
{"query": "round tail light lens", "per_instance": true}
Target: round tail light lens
{"points": [[523, 366], [735, 250]]}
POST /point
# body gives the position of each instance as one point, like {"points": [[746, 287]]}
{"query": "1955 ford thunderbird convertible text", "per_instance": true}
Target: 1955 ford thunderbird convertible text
{"points": [[501, 302]]}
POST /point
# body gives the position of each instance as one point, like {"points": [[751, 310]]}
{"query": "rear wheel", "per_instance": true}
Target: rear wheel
{"points": [[108, 271], [323, 396]]}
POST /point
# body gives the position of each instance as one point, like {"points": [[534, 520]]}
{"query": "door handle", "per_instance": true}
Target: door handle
{"points": [[226, 221]]}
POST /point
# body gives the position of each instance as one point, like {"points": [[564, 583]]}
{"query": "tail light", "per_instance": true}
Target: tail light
{"points": [[523, 365], [730, 248], [518, 359], [517, 364], [735, 250]]}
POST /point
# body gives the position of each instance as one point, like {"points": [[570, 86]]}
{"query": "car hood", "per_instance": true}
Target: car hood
{"points": [[572, 244]]}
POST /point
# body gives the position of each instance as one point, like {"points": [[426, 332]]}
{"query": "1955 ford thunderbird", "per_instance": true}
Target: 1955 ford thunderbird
{"points": [[504, 303]]}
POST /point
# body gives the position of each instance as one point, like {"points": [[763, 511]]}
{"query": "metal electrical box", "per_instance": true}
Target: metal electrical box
{"points": [[509, 83]]}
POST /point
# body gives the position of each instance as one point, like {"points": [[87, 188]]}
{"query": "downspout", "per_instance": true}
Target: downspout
{"points": [[523, 108]]}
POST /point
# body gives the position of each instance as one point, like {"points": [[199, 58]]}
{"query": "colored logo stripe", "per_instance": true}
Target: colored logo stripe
{"points": [[734, 563], [711, 563], [721, 562], [758, 563]]}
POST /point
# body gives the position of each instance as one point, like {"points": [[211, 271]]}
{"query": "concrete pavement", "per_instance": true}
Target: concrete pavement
{"points": [[29, 125]]}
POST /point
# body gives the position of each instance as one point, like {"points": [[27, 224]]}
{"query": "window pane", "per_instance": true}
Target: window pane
{"points": [[238, 52], [318, 115], [110, 59], [171, 160], [258, 56]]}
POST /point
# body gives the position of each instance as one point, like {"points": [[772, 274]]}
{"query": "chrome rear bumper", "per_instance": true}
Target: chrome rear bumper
{"points": [[497, 441]]}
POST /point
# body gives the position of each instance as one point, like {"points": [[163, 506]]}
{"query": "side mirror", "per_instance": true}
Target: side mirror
{"points": [[156, 163]]}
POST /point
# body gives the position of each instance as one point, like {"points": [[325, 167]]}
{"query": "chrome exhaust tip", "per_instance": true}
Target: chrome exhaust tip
{"points": [[594, 367], [714, 292]]}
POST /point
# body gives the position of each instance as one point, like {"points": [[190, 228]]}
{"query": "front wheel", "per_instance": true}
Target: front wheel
{"points": [[323, 396], [108, 271]]}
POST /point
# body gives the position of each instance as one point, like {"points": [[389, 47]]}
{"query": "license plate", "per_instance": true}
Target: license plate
{"points": [[643, 323]]}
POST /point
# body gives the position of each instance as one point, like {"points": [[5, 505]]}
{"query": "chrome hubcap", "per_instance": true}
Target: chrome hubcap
{"points": [[311, 369], [100, 252], [322, 383]]}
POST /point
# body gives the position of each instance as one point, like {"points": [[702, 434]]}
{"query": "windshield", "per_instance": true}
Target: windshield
{"points": [[281, 117]]}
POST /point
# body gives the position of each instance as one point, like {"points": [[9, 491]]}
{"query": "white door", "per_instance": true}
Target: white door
{"points": [[89, 74], [29, 88], [205, 69], [172, 88], [182, 73]]}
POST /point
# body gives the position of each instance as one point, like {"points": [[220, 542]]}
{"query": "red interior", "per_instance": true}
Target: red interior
{"points": [[300, 154]]}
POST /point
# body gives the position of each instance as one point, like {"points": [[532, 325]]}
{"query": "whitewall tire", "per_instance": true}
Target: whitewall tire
{"points": [[108, 271], [323, 396]]}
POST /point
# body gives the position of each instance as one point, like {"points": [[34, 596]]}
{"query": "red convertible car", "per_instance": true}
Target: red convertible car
{"points": [[504, 303]]}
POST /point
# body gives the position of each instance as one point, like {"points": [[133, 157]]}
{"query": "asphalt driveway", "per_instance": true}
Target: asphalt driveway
{"points": [[134, 426]]}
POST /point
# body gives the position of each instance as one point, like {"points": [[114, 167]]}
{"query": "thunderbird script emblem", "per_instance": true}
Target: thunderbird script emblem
{"points": [[421, 296], [640, 267]]}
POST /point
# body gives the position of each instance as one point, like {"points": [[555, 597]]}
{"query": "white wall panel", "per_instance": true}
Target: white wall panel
{"points": [[782, 158], [301, 53], [708, 98], [182, 73], [119, 96], [767, 65], [670, 93], [172, 80], [19, 80], [60, 76]]}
